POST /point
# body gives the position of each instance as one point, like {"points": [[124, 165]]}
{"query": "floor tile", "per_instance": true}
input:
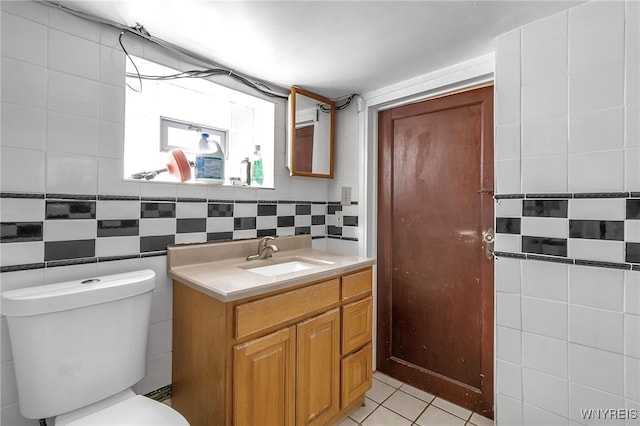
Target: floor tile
{"points": [[406, 405], [418, 393], [433, 416], [384, 417], [347, 422], [379, 391], [387, 379], [479, 420], [363, 411], [452, 408]]}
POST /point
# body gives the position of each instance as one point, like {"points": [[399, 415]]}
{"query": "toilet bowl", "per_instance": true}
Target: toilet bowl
{"points": [[79, 346], [125, 408]]}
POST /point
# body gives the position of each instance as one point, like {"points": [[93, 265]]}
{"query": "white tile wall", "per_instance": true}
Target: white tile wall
{"points": [[508, 310], [23, 126], [33, 39], [24, 83], [601, 171], [509, 379], [580, 126], [632, 293], [596, 287], [508, 344], [72, 94], [596, 88], [545, 391], [72, 134], [599, 130], [545, 280], [609, 379], [544, 174], [596, 328], [508, 275], [545, 354], [532, 415], [544, 317], [584, 397], [544, 136]]}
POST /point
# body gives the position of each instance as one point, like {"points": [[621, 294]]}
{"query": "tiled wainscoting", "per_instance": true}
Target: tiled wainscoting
{"points": [[49, 230], [600, 230]]}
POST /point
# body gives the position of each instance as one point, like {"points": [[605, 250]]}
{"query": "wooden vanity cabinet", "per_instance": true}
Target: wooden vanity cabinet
{"points": [[300, 356]]}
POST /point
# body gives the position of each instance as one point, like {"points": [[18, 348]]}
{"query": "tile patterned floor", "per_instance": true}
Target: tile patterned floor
{"points": [[393, 403]]}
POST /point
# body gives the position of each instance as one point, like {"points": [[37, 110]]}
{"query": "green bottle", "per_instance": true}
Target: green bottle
{"points": [[257, 175]]}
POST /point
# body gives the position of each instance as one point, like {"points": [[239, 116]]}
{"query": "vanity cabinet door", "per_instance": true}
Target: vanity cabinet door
{"points": [[357, 324], [356, 375], [318, 395], [264, 380]]}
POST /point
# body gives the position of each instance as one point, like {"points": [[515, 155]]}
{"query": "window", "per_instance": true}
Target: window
{"points": [[176, 134], [172, 113]]}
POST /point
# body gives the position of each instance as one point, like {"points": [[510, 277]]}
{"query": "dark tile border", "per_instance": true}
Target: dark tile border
{"points": [[23, 267], [609, 265], [554, 259], [569, 261], [567, 195], [191, 200], [159, 199], [508, 196], [22, 195], [118, 198], [601, 195], [70, 196], [509, 255], [535, 196]]}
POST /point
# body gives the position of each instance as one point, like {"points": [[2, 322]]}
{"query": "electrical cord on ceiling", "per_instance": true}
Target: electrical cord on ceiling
{"points": [[140, 31], [344, 105]]}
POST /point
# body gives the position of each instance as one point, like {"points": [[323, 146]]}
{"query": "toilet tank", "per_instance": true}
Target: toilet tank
{"points": [[78, 342]]}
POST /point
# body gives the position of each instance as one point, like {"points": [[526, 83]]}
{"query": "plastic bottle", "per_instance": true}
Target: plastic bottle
{"points": [[257, 175], [209, 164], [245, 171]]}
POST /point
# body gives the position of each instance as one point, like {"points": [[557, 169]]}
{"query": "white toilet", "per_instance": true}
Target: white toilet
{"points": [[79, 346]]}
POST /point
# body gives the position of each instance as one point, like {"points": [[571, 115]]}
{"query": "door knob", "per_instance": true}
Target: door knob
{"points": [[489, 239]]}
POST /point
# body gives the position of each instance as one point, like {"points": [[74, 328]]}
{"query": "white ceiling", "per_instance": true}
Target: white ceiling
{"points": [[330, 47]]}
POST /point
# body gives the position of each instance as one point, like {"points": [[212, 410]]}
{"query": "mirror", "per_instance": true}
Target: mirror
{"points": [[311, 128]]}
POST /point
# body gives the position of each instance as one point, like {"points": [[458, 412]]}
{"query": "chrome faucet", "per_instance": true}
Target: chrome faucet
{"points": [[265, 249]]}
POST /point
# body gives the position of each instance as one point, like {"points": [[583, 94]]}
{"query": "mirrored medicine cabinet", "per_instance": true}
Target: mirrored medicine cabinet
{"points": [[310, 134]]}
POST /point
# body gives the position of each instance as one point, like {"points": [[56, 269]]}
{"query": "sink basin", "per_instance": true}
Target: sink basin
{"points": [[281, 268], [275, 267]]}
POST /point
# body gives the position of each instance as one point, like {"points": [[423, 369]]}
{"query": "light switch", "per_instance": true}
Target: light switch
{"points": [[345, 199]]}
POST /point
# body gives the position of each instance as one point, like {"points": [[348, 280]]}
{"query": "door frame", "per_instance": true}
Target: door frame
{"points": [[463, 76]]}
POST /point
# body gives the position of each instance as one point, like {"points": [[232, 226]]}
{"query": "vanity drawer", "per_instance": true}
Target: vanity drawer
{"points": [[356, 284], [356, 375], [357, 324], [268, 312]]}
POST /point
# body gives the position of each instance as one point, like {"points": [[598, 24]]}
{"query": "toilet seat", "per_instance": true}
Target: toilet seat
{"points": [[124, 409]]}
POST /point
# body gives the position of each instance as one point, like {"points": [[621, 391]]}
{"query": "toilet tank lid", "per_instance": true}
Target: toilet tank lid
{"points": [[75, 294]]}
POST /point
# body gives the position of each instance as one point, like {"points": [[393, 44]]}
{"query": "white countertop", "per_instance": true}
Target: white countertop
{"points": [[228, 279]]}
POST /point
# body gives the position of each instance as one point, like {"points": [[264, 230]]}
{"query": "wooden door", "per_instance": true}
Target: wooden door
{"points": [[264, 380], [435, 282], [318, 368]]}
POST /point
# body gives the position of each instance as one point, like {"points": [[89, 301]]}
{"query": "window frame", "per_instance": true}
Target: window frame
{"points": [[167, 122]]}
